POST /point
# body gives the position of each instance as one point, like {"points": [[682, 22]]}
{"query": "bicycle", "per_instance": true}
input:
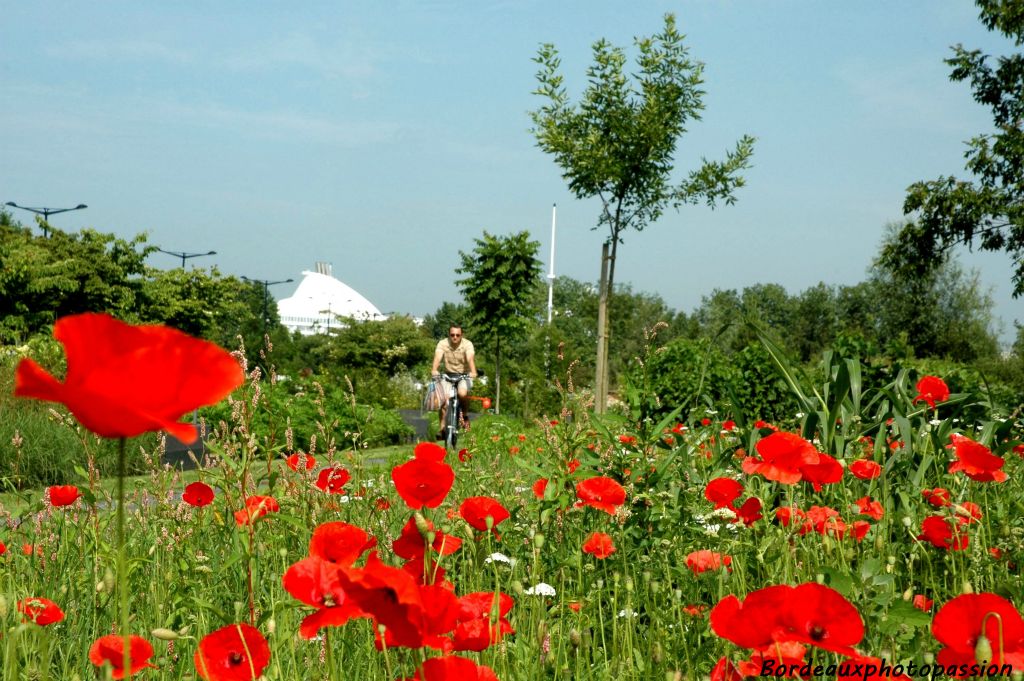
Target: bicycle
{"points": [[453, 415]]}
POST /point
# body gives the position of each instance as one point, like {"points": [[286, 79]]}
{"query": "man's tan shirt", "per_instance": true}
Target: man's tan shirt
{"points": [[456, 359]]}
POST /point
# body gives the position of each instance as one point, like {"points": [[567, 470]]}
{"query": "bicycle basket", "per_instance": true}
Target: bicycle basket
{"points": [[435, 397]]}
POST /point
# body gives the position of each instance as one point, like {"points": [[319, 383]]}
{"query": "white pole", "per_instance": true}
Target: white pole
{"points": [[551, 272]]}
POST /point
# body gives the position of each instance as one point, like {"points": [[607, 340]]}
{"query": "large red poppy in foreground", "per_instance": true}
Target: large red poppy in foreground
{"points": [[810, 613], [237, 652], [125, 380], [782, 455], [962, 621], [601, 493]]}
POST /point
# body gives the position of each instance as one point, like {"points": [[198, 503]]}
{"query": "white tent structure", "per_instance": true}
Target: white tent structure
{"points": [[319, 300]]}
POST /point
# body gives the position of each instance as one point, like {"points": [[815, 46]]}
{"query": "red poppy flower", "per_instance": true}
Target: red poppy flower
{"points": [[111, 649], [437, 617], [722, 491], [976, 460], [423, 482], [960, 623], [724, 670], [782, 456], [704, 560], [571, 465], [453, 668], [391, 596], [627, 439], [968, 513], [40, 610], [197, 494], [482, 620], [938, 531], [63, 495], [125, 380], [317, 582], [256, 506], [923, 603], [783, 654], [749, 511], [237, 652], [340, 543], [478, 510], [601, 493], [869, 507], [811, 613], [826, 472], [3, 548], [300, 460], [333, 480], [429, 451], [865, 469], [728, 425], [937, 497], [931, 389], [465, 455], [599, 545], [411, 543], [539, 487]]}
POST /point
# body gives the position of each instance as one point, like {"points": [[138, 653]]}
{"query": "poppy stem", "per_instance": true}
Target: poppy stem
{"points": [[122, 570]]}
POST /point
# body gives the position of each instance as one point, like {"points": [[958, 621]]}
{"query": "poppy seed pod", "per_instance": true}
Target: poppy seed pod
{"points": [[574, 638], [538, 540], [983, 650], [165, 634]]}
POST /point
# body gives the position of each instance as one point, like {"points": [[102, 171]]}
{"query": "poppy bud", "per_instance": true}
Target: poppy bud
{"points": [[3, 607], [542, 632], [108, 579], [968, 588], [983, 650], [574, 638], [489, 522], [907, 522], [908, 594], [538, 540], [819, 578], [656, 653], [629, 585], [891, 560], [271, 626], [928, 658], [421, 524], [165, 634], [517, 587], [879, 542], [100, 586]]}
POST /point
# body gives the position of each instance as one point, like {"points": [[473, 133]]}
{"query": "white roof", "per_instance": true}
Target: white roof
{"points": [[318, 302]]}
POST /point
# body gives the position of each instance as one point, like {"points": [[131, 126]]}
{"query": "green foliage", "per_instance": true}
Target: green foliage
{"points": [[499, 277], [690, 374], [43, 278], [987, 210]]}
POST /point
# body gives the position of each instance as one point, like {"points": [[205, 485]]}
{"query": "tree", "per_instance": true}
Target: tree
{"points": [[988, 210], [501, 273], [618, 145]]}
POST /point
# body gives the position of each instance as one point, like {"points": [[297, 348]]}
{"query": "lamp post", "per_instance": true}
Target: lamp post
{"points": [[186, 256], [46, 213], [266, 294]]}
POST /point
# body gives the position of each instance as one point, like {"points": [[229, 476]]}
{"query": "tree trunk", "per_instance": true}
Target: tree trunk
{"points": [[497, 375], [601, 370]]}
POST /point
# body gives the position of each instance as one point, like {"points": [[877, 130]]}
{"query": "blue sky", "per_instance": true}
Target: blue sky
{"points": [[385, 137]]}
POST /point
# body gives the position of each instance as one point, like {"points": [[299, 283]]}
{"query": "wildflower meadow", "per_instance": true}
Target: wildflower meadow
{"points": [[876, 535]]}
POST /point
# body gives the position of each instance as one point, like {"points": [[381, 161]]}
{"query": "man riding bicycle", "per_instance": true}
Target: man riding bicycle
{"points": [[459, 358]]}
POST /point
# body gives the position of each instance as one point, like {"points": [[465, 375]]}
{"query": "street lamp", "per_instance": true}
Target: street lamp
{"points": [[266, 294], [186, 256], [46, 213]]}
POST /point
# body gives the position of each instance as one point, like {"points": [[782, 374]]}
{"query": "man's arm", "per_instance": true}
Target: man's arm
{"points": [[471, 358], [438, 354]]}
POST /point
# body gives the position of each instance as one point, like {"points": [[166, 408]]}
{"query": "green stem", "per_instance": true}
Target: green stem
{"points": [[122, 571]]}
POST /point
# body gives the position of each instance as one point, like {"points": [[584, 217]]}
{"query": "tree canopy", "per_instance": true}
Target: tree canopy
{"points": [[988, 209], [618, 144]]}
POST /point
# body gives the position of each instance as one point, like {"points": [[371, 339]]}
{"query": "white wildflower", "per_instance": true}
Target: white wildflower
{"points": [[541, 589], [497, 558]]}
